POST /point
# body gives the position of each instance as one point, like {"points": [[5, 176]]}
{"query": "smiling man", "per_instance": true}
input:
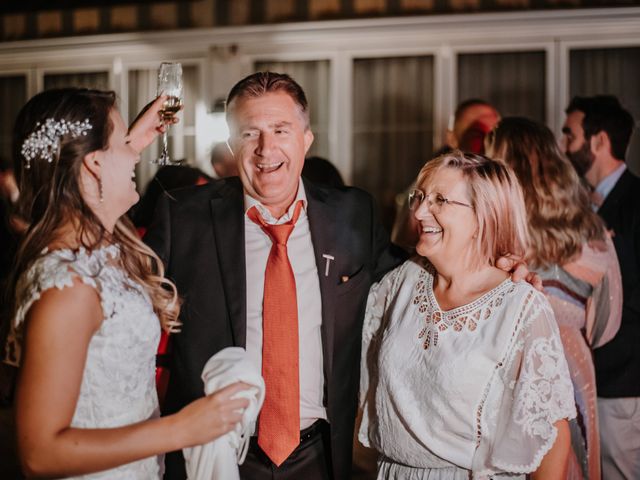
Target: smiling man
{"points": [[281, 267]]}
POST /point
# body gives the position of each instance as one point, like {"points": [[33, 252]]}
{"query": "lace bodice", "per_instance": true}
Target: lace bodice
{"points": [[477, 387], [118, 380]]}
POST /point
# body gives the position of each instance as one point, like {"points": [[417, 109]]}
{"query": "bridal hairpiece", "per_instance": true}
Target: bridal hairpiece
{"points": [[44, 141]]}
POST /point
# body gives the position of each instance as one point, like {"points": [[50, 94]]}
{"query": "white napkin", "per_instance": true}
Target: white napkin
{"points": [[220, 458]]}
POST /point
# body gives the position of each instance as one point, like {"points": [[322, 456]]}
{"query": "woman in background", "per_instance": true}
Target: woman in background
{"points": [[574, 256], [90, 300]]}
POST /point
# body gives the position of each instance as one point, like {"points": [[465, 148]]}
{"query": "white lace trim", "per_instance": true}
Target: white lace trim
{"points": [[467, 316]]}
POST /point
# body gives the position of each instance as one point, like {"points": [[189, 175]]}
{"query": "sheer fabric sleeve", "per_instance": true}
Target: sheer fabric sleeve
{"points": [[604, 309], [380, 295], [532, 392]]}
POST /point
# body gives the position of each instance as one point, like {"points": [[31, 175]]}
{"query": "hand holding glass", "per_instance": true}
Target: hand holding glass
{"points": [[169, 84]]}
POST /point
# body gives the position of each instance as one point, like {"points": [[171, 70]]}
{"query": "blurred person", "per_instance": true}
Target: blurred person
{"points": [[321, 171], [167, 178], [90, 299], [452, 384], [471, 121], [575, 257], [222, 161], [596, 135]]}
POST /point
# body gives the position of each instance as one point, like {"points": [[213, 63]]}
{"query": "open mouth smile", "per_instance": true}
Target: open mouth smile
{"points": [[269, 167]]}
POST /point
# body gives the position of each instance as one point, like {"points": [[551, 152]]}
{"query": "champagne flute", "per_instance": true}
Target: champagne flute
{"points": [[169, 84]]}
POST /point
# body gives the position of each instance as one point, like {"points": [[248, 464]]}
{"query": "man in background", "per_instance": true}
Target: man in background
{"points": [[596, 135]]}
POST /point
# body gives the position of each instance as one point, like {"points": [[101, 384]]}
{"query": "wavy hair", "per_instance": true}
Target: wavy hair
{"points": [[51, 198], [496, 198], [559, 209]]}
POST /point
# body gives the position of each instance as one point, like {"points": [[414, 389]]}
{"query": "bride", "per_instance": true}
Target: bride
{"points": [[463, 372], [90, 299]]}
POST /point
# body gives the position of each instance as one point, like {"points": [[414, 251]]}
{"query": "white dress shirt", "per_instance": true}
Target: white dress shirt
{"points": [[302, 259]]}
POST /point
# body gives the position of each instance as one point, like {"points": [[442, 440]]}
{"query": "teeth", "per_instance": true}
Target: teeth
{"points": [[431, 230], [262, 166]]}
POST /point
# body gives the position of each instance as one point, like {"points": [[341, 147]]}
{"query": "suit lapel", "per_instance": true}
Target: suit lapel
{"points": [[227, 215], [610, 205], [323, 226]]}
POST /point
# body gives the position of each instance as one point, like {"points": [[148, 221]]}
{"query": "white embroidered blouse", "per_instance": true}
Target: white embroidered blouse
{"points": [[118, 382], [478, 387]]}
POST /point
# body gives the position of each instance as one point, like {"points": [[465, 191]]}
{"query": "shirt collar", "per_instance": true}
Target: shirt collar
{"points": [[249, 202], [607, 183]]}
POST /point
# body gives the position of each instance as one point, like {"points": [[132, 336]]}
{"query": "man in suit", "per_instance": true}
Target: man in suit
{"points": [[217, 242], [596, 136]]}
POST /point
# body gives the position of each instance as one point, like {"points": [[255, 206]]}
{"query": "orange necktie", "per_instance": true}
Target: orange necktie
{"points": [[279, 421]]}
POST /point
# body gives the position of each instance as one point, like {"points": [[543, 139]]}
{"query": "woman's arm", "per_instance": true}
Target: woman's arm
{"points": [[554, 464], [58, 331]]}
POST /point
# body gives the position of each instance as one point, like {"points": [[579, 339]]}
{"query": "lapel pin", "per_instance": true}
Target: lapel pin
{"points": [[326, 267]]}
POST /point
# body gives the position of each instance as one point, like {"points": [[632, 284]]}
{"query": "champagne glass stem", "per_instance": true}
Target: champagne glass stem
{"points": [[164, 156]]}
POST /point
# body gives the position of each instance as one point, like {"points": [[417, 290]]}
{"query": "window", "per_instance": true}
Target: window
{"points": [[392, 125], [13, 94], [512, 81], [98, 80]]}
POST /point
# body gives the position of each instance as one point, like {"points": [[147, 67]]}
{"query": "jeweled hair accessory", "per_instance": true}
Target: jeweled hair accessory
{"points": [[44, 141]]}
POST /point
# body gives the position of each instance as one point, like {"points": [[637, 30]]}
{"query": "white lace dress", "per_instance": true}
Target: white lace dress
{"points": [[475, 389], [118, 385]]}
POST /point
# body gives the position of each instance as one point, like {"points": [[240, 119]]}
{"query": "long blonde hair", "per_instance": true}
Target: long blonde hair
{"points": [[50, 195], [558, 205]]}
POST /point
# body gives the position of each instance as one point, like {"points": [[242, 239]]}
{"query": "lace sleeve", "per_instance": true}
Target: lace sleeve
{"points": [[380, 295], [604, 311], [534, 392], [53, 270]]}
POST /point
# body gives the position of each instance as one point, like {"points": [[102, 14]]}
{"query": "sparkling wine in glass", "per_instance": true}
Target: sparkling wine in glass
{"points": [[169, 84]]}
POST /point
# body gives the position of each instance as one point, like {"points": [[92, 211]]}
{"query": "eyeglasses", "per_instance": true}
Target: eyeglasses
{"points": [[434, 200]]}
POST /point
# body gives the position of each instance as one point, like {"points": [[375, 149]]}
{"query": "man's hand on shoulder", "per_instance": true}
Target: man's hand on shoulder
{"points": [[519, 270]]}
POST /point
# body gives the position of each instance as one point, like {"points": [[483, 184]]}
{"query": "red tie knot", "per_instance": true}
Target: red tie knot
{"points": [[279, 234]]}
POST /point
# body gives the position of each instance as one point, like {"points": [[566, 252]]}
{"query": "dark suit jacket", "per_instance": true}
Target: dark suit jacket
{"points": [[199, 234], [618, 362]]}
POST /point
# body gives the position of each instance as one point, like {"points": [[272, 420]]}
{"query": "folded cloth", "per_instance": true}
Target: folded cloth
{"points": [[220, 458]]}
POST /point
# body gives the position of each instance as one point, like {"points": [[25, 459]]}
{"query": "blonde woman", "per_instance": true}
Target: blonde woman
{"points": [[577, 262], [463, 373], [90, 300]]}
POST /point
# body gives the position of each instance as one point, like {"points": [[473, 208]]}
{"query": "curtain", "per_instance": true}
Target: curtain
{"points": [[512, 81], [392, 125], [610, 71], [313, 77], [13, 95], [142, 90]]}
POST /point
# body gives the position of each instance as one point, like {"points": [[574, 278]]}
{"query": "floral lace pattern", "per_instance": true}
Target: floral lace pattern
{"points": [[118, 385], [483, 403], [467, 316]]}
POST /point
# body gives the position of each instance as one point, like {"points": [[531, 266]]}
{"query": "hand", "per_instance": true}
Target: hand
{"points": [[519, 271], [210, 417], [148, 124]]}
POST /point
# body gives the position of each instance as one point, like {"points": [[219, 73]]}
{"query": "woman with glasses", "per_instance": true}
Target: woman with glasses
{"points": [[577, 262], [463, 373]]}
